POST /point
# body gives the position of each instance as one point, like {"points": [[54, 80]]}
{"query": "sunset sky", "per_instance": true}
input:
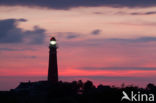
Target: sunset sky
{"points": [[111, 39]]}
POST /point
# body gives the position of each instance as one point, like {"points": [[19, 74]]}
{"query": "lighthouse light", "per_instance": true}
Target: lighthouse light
{"points": [[52, 42]]}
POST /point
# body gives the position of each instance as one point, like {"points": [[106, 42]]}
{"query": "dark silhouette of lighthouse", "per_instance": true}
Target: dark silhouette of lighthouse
{"points": [[52, 70]]}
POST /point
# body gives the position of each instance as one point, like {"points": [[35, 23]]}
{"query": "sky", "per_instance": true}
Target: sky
{"points": [[107, 41]]}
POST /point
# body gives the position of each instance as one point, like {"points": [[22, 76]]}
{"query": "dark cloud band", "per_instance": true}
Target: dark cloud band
{"points": [[67, 4], [10, 33], [118, 68]]}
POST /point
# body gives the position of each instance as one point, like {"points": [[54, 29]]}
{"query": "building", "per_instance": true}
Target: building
{"points": [[53, 70]]}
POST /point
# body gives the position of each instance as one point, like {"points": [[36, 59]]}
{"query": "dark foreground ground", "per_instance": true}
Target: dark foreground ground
{"points": [[77, 92]]}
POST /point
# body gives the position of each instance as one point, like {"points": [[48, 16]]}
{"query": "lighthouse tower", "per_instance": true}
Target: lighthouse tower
{"points": [[52, 70]]}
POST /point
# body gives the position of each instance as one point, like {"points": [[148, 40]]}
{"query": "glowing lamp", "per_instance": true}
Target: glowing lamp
{"points": [[53, 41]]}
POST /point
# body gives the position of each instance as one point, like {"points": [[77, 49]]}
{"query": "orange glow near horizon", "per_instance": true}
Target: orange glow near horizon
{"points": [[78, 72]]}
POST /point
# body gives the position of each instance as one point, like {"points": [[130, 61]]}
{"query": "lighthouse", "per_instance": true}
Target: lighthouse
{"points": [[52, 70]]}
